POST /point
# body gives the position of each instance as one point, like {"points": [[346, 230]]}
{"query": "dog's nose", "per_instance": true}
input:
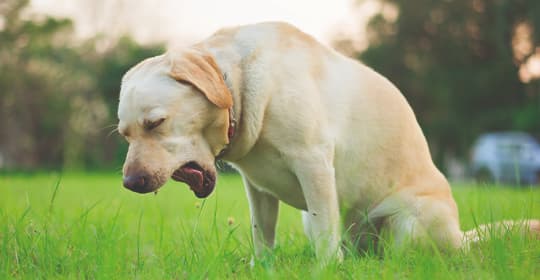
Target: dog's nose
{"points": [[136, 182]]}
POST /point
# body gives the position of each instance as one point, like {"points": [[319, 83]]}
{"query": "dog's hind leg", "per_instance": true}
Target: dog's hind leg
{"points": [[429, 221]]}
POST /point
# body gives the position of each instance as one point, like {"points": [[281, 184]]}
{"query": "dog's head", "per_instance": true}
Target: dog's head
{"points": [[173, 111]]}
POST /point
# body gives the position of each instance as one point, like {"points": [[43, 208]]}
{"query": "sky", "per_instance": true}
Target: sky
{"points": [[186, 21]]}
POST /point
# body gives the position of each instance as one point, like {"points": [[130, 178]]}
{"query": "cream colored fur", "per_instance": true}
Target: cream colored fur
{"points": [[316, 130]]}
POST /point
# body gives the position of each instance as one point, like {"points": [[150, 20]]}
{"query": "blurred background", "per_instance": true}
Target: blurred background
{"points": [[467, 67]]}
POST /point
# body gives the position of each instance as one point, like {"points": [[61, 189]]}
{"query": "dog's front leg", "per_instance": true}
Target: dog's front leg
{"points": [[264, 212], [322, 216]]}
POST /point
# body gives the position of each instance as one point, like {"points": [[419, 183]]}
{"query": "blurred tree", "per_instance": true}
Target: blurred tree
{"points": [[56, 94], [34, 58], [458, 63]]}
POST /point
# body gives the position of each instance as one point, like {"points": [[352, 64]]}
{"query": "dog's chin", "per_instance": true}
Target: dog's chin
{"points": [[201, 181]]}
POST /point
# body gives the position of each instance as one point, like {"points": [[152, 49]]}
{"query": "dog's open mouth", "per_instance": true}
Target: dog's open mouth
{"points": [[200, 181]]}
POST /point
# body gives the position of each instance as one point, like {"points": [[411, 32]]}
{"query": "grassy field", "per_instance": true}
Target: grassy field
{"points": [[88, 226]]}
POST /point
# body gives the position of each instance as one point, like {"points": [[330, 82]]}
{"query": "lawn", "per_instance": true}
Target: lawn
{"points": [[88, 226]]}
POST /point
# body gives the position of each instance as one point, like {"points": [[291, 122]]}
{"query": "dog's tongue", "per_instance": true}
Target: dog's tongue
{"points": [[191, 176], [200, 181]]}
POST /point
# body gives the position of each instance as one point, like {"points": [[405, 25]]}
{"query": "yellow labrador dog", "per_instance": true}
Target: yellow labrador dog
{"points": [[302, 123]]}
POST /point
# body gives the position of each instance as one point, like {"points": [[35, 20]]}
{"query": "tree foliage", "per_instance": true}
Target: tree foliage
{"points": [[458, 64]]}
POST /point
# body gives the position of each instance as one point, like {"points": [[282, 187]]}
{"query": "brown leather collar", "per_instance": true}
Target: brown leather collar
{"points": [[231, 131]]}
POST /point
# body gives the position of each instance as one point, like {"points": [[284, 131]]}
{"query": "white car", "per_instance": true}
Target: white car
{"points": [[506, 157]]}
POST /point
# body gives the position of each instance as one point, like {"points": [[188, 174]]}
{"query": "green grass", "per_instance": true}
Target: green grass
{"points": [[88, 226]]}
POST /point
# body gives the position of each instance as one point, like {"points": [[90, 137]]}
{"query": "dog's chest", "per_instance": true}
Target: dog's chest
{"points": [[268, 171]]}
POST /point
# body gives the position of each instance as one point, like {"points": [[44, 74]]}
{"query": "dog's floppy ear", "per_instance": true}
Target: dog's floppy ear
{"points": [[201, 71]]}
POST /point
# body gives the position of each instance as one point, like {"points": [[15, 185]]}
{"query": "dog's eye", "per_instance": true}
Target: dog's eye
{"points": [[149, 125]]}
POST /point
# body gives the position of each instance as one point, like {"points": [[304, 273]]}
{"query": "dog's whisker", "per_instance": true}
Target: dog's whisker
{"points": [[109, 126], [112, 132]]}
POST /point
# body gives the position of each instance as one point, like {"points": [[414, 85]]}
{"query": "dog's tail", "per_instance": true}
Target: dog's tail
{"points": [[483, 232]]}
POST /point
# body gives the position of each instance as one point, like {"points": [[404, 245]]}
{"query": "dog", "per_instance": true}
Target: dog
{"points": [[303, 125]]}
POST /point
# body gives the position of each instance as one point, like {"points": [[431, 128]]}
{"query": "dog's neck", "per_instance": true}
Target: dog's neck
{"points": [[244, 137]]}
